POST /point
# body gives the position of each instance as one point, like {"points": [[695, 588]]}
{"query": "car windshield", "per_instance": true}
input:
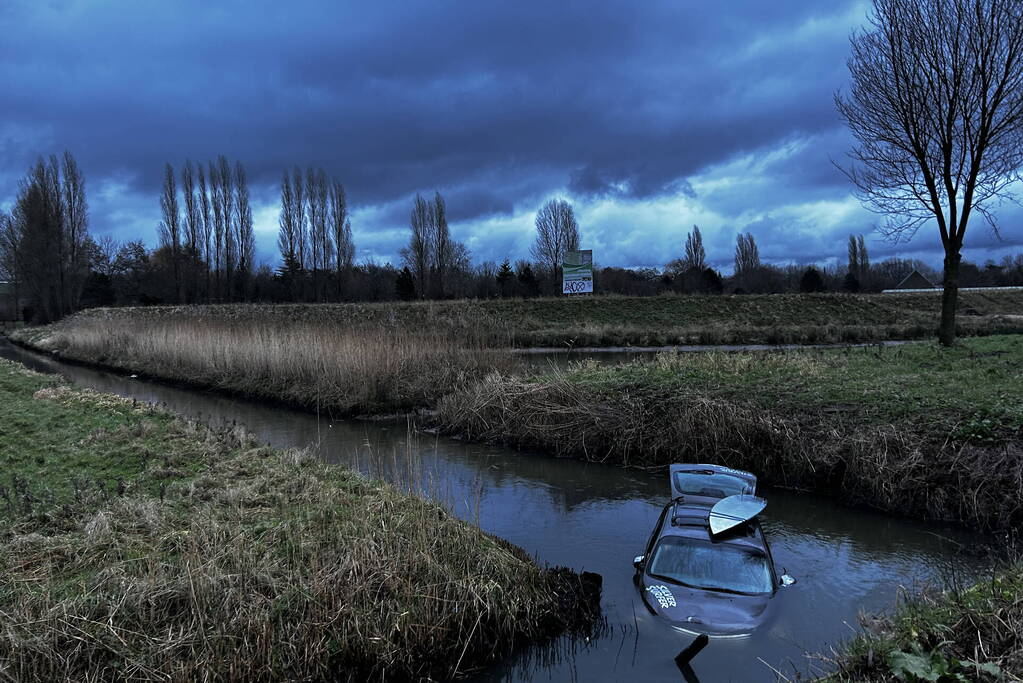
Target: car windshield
{"points": [[705, 483], [711, 566]]}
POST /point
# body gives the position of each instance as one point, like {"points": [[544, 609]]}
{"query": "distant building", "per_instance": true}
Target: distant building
{"points": [[915, 281]]}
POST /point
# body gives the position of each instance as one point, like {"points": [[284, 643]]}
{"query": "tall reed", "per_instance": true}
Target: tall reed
{"points": [[364, 368]]}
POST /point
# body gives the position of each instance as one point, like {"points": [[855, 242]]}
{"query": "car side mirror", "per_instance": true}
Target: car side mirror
{"points": [[786, 581], [637, 561]]}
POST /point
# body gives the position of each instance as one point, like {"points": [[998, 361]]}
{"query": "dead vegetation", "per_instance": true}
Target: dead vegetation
{"points": [[348, 370], [885, 466]]}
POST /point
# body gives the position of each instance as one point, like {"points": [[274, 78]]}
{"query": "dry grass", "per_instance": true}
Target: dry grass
{"points": [[359, 369], [217, 559], [633, 420]]}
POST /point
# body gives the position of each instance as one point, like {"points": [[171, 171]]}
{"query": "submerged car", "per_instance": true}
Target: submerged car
{"points": [[708, 568]]}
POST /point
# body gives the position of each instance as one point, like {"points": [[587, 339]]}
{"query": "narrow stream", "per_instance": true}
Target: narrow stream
{"points": [[596, 518]]}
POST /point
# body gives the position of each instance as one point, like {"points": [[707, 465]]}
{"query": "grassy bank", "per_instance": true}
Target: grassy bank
{"points": [[346, 369], [963, 634], [918, 430], [620, 321], [134, 545]]}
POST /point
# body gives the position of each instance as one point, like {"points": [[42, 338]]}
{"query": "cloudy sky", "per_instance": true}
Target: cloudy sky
{"points": [[649, 117]]}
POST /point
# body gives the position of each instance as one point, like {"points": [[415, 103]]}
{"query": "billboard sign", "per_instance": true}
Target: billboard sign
{"points": [[577, 272]]}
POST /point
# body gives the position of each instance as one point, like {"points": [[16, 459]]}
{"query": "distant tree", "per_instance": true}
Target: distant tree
{"points": [[936, 107], [230, 241], [443, 248], [696, 257], [217, 206], [811, 281], [528, 282], [747, 262], [505, 276], [317, 199], [207, 230], [193, 230], [405, 285], [341, 227], [851, 283], [8, 261], [244, 237], [556, 233], [74, 259], [301, 234], [170, 227], [712, 283], [418, 255]]}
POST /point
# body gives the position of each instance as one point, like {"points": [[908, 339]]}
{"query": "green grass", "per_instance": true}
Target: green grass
{"points": [[134, 545], [916, 429], [939, 393], [963, 634]]}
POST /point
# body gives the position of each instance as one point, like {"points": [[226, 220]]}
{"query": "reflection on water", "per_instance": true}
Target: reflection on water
{"points": [[597, 518]]}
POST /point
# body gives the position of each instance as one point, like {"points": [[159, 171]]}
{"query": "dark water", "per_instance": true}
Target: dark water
{"points": [[596, 518]]}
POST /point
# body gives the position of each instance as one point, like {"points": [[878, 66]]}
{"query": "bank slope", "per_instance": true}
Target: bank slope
{"points": [[138, 546], [916, 430]]}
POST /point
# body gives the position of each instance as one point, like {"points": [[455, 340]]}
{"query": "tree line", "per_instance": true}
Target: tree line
{"points": [[206, 252], [205, 232]]}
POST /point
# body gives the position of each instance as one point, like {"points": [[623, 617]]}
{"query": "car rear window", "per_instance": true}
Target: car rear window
{"points": [[715, 485]]}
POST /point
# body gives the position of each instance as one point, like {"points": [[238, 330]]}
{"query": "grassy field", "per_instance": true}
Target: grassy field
{"points": [[635, 321], [137, 546], [914, 429]]}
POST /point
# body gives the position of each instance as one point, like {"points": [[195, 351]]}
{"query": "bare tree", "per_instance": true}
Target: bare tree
{"points": [[937, 109], [193, 228], [287, 235], [75, 266], [217, 204], [207, 229], [8, 261], [747, 260], [244, 239], [316, 190], [170, 226], [227, 198], [298, 190], [442, 246], [341, 229], [37, 232], [418, 256], [696, 256], [556, 233]]}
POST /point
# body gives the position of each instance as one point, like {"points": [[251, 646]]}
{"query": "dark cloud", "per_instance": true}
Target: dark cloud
{"points": [[638, 111]]}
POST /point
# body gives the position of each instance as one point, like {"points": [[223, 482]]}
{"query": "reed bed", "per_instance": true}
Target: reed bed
{"points": [[211, 558], [346, 370]]}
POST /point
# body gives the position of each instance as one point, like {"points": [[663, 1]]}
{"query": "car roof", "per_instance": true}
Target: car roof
{"points": [[691, 520]]}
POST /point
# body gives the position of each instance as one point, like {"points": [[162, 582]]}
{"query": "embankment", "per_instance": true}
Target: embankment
{"points": [[137, 546], [625, 321], [344, 369], [914, 430], [963, 634]]}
